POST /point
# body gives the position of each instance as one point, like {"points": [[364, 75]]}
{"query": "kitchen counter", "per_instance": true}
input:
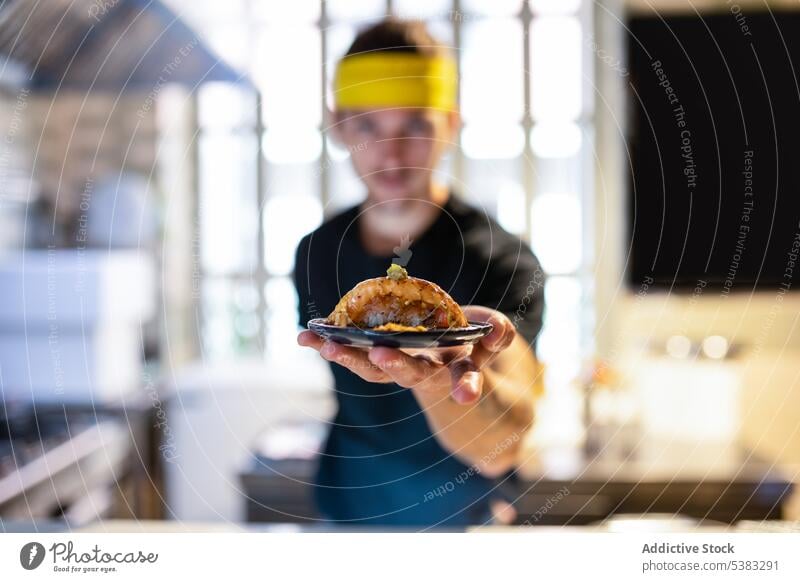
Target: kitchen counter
{"points": [[712, 482], [633, 524]]}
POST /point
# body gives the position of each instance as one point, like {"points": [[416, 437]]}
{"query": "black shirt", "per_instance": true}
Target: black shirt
{"points": [[381, 463]]}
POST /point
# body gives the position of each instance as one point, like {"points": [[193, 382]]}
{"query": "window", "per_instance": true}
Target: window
{"points": [[524, 152]]}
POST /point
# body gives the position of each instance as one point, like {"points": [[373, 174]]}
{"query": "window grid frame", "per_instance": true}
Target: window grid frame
{"points": [[260, 276]]}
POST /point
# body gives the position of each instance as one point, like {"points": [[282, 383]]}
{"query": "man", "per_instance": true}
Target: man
{"points": [[424, 439]]}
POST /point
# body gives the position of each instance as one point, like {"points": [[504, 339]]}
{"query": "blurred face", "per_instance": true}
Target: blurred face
{"points": [[395, 151]]}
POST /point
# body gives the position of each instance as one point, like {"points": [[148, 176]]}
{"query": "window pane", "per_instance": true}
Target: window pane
{"points": [[225, 106], [356, 9], [563, 297], [556, 232], [286, 220], [281, 319], [288, 145], [229, 43], [287, 71], [231, 322], [556, 139], [296, 10], [560, 342], [442, 31], [485, 178], [228, 213], [486, 140], [338, 38], [291, 180], [492, 71], [422, 9], [217, 328], [559, 345], [556, 88], [560, 174], [336, 152], [346, 189], [493, 7], [555, 6], [511, 206], [209, 11]]}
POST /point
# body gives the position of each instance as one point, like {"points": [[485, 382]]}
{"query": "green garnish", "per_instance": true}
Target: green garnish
{"points": [[396, 272]]}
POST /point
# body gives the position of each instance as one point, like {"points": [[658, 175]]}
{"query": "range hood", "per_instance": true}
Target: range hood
{"points": [[105, 45]]}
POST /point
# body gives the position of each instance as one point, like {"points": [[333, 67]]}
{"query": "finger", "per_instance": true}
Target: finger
{"points": [[502, 333], [501, 337], [439, 355], [408, 371], [309, 339], [354, 360], [467, 381], [477, 312], [503, 329], [502, 511]]}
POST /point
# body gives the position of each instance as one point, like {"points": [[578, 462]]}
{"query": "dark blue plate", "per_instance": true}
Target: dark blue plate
{"points": [[434, 338]]}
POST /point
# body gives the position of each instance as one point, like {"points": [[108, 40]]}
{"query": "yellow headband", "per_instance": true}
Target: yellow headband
{"points": [[395, 79]]}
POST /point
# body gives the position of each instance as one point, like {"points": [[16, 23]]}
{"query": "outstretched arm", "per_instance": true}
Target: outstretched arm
{"points": [[479, 405]]}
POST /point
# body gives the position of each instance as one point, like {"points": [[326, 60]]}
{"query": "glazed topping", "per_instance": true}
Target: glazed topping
{"points": [[396, 272]]}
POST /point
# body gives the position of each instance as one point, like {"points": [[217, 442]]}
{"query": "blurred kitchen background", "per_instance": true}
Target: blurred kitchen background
{"points": [[161, 160]]}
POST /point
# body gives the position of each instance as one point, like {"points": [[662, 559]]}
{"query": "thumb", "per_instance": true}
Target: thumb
{"points": [[466, 381]]}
